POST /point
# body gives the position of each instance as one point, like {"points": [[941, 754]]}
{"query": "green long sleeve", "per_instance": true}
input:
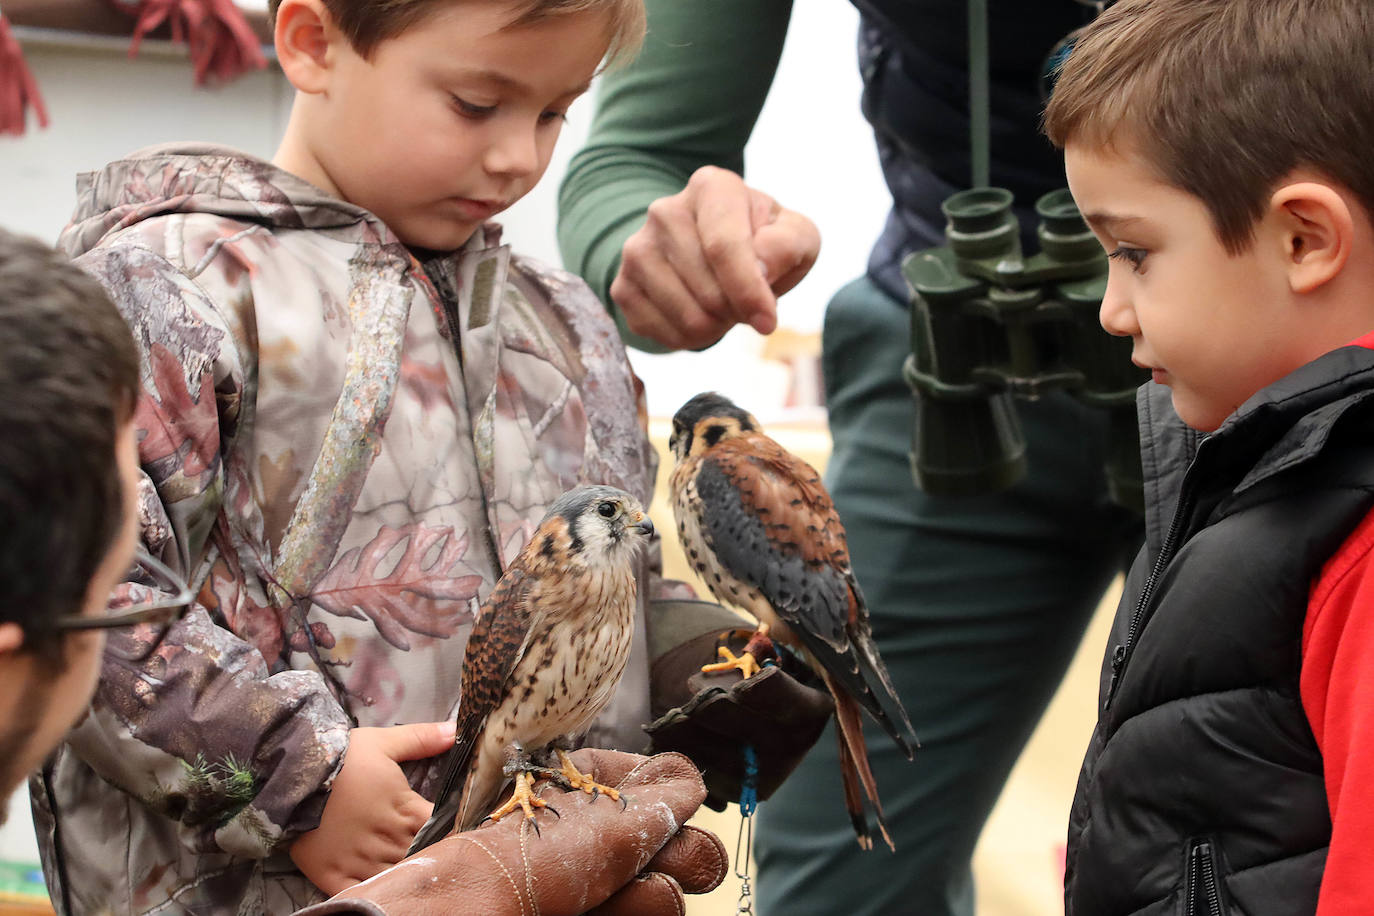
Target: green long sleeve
{"points": [[690, 99]]}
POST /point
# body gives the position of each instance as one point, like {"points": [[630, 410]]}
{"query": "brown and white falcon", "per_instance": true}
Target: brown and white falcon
{"points": [[759, 527], [546, 652]]}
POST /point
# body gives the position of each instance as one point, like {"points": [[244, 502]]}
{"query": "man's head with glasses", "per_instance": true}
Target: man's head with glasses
{"points": [[68, 502]]}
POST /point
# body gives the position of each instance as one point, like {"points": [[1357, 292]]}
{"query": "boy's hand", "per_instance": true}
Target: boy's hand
{"points": [[714, 255], [598, 856], [372, 813]]}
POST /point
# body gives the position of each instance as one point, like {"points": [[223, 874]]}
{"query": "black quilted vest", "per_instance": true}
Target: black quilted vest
{"points": [[1202, 789]]}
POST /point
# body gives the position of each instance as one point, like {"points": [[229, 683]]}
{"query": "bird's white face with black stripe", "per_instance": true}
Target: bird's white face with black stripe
{"points": [[606, 525]]}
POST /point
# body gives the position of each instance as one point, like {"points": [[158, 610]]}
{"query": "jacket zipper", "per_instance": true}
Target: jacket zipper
{"points": [[1204, 893], [448, 301], [1166, 553]]}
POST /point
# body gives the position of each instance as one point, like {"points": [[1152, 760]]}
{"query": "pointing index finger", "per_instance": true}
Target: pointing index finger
{"points": [[727, 240]]}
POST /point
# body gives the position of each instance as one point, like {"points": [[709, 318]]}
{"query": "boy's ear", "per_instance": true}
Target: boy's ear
{"points": [[1317, 230], [11, 638], [305, 38]]}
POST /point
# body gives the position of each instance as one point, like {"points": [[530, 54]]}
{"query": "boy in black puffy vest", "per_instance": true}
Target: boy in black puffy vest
{"points": [[1220, 150]]}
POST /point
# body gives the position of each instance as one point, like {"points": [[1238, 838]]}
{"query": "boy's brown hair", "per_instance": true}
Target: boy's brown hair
{"points": [[1226, 97], [368, 23]]}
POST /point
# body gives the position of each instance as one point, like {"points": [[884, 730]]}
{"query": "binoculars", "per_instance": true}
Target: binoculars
{"points": [[989, 325]]}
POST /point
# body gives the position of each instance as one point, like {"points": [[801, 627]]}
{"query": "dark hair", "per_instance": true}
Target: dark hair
{"points": [[1226, 97], [368, 23], [69, 380]]}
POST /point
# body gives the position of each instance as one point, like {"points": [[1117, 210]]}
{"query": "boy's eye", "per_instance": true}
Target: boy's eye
{"points": [[470, 110], [1133, 256], [549, 117]]}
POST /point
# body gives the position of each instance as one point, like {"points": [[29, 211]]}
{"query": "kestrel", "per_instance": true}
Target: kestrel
{"points": [[546, 652], [759, 527]]}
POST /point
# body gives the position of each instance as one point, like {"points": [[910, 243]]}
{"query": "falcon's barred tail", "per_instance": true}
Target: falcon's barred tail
{"points": [[457, 764], [853, 801], [442, 822], [435, 829], [854, 766], [876, 680]]}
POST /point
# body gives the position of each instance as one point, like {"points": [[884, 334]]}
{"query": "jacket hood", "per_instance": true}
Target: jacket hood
{"points": [[200, 178]]}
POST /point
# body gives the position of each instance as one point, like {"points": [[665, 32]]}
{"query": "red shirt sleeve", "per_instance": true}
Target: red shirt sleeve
{"points": [[1337, 687]]}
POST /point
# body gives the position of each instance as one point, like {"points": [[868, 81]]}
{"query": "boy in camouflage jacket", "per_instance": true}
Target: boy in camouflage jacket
{"points": [[356, 406]]}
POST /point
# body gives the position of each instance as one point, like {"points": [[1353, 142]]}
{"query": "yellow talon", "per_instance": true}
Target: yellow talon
{"points": [[522, 797], [578, 780], [746, 663]]}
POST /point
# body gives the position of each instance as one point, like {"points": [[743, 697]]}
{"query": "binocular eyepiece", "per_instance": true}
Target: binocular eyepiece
{"points": [[989, 324]]}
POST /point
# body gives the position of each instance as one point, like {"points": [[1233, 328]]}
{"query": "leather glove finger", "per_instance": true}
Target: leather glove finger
{"points": [[693, 861], [649, 894], [693, 857]]}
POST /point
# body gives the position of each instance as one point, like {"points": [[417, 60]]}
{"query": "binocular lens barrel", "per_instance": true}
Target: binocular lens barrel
{"points": [[988, 326], [981, 224], [1063, 234]]}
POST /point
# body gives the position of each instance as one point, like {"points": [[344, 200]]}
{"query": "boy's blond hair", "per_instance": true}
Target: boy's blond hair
{"points": [[1226, 97], [368, 23]]}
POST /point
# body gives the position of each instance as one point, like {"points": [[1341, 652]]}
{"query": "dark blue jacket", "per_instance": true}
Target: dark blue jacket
{"points": [[913, 55]]}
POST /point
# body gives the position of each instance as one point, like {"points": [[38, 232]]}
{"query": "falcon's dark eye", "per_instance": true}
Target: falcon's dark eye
{"points": [[607, 510]]}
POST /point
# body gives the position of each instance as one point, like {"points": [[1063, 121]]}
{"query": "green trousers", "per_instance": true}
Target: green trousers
{"points": [[978, 604]]}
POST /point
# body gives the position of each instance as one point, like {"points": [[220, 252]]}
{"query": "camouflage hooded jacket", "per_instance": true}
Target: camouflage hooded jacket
{"points": [[343, 446]]}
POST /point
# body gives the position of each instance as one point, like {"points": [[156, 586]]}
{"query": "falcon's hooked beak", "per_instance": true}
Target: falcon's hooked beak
{"points": [[644, 526]]}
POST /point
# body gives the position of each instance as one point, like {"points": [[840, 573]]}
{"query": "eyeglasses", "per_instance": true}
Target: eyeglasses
{"points": [[145, 622]]}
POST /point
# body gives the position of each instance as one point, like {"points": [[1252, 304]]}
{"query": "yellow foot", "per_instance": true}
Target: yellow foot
{"points": [[522, 797], [746, 663], [576, 779]]}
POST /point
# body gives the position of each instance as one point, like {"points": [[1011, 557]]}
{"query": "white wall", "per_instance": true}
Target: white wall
{"points": [[102, 106]]}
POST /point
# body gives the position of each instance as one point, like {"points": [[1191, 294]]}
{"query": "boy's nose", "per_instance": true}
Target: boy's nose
{"points": [[515, 153], [1115, 314]]}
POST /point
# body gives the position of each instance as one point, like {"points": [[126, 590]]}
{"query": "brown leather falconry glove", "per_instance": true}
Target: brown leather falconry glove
{"points": [[596, 857], [780, 711]]}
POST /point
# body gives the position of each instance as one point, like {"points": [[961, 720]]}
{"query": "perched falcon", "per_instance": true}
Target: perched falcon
{"points": [[545, 655], [759, 527]]}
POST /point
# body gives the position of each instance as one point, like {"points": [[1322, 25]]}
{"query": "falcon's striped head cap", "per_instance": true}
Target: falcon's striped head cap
{"points": [[705, 420]]}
